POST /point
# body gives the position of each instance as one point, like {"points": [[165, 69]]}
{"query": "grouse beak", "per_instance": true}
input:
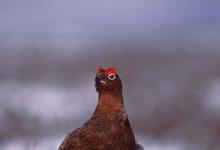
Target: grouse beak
{"points": [[103, 82]]}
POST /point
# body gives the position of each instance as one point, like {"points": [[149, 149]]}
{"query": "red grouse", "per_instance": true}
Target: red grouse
{"points": [[109, 127]]}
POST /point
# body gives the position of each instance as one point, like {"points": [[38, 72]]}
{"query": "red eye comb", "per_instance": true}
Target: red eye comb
{"points": [[111, 70], [99, 69]]}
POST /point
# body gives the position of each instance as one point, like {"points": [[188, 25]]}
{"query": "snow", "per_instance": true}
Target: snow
{"points": [[48, 103], [46, 143], [211, 100]]}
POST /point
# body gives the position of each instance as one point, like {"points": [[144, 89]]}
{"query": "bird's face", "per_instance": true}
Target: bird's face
{"points": [[107, 80]]}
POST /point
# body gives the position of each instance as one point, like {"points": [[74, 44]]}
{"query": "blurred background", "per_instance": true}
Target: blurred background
{"points": [[167, 54]]}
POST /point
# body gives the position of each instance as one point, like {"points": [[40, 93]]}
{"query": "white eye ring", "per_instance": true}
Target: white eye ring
{"points": [[111, 76]]}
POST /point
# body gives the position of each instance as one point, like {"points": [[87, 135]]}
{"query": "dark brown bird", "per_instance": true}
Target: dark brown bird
{"points": [[109, 127]]}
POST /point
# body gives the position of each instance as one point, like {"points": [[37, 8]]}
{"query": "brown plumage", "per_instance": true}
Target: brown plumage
{"points": [[109, 127]]}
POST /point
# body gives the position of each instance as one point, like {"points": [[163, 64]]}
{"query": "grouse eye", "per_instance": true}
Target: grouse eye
{"points": [[111, 77]]}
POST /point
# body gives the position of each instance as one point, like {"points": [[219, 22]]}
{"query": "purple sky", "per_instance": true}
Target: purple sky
{"points": [[80, 21], [130, 16]]}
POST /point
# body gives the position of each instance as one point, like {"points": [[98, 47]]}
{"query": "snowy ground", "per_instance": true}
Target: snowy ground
{"points": [[52, 143], [52, 105]]}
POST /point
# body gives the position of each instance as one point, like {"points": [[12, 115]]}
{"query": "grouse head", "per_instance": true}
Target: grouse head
{"points": [[107, 80]]}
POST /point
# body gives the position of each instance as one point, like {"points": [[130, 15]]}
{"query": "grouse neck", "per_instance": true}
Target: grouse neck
{"points": [[108, 102]]}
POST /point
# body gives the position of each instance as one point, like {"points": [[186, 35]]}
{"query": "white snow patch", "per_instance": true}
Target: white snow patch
{"points": [[48, 102], [46, 143], [150, 143], [211, 101]]}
